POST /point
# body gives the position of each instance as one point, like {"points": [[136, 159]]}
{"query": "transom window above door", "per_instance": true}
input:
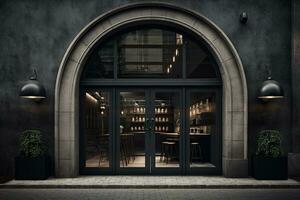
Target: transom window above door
{"points": [[150, 53]]}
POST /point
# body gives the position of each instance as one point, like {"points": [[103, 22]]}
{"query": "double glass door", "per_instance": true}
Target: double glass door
{"points": [[150, 131]]}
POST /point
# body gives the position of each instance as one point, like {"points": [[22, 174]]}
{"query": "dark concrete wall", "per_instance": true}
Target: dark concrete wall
{"points": [[35, 34], [296, 75]]}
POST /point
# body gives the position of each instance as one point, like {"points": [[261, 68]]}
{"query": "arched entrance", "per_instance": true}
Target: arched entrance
{"points": [[234, 98]]}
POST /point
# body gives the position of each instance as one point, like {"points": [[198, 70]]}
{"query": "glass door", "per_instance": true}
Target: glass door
{"points": [[203, 141], [166, 132], [150, 131], [132, 131], [96, 155]]}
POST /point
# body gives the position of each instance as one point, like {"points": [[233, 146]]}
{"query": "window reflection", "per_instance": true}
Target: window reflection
{"points": [[132, 129], [198, 61], [151, 53], [96, 128], [202, 128], [100, 62], [167, 129]]}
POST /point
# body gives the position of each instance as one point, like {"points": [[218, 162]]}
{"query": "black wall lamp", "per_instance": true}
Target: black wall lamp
{"points": [[270, 89], [243, 17], [33, 89]]}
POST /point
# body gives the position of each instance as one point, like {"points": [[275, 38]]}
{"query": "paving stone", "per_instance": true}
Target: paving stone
{"points": [[151, 182]]}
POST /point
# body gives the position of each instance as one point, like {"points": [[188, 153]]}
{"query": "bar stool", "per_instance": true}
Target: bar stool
{"points": [[168, 150], [195, 151]]}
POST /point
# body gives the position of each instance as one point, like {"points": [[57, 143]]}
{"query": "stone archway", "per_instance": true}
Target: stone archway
{"points": [[234, 103]]}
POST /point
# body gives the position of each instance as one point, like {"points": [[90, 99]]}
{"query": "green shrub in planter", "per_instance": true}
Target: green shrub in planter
{"points": [[32, 162], [269, 162]]}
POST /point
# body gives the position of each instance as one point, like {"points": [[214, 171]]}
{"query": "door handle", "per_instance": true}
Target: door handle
{"points": [[146, 124], [152, 124]]}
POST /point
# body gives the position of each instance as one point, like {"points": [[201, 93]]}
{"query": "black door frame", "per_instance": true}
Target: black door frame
{"points": [[167, 170], [132, 170], [149, 136], [216, 151], [82, 139]]}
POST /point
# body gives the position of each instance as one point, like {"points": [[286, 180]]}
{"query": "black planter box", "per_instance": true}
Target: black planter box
{"points": [[32, 168], [269, 168]]}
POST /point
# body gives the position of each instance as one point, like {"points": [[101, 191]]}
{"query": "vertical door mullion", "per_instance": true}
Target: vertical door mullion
{"points": [[113, 130], [148, 136], [183, 132], [116, 59], [187, 140], [117, 131], [184, 59]]}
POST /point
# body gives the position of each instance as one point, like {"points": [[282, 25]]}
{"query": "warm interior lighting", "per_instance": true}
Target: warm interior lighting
{"points": [[173, 59], [176, 52], [97, 93], [168, 70], [178, 39], [171, 66], [91, 97]]}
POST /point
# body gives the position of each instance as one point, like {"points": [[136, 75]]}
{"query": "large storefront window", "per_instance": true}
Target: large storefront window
{"points": [[150, 105]]}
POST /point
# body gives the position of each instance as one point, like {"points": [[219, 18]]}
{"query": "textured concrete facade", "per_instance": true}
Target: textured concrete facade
{"points": [[36, 34]]}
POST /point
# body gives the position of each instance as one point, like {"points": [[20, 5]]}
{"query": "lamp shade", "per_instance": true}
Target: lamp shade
{"points": [[33, 89], [270, 89]]}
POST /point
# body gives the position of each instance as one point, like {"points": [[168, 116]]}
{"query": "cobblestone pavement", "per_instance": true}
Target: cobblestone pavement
{"points": [[152, 182], [149, 194]]}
